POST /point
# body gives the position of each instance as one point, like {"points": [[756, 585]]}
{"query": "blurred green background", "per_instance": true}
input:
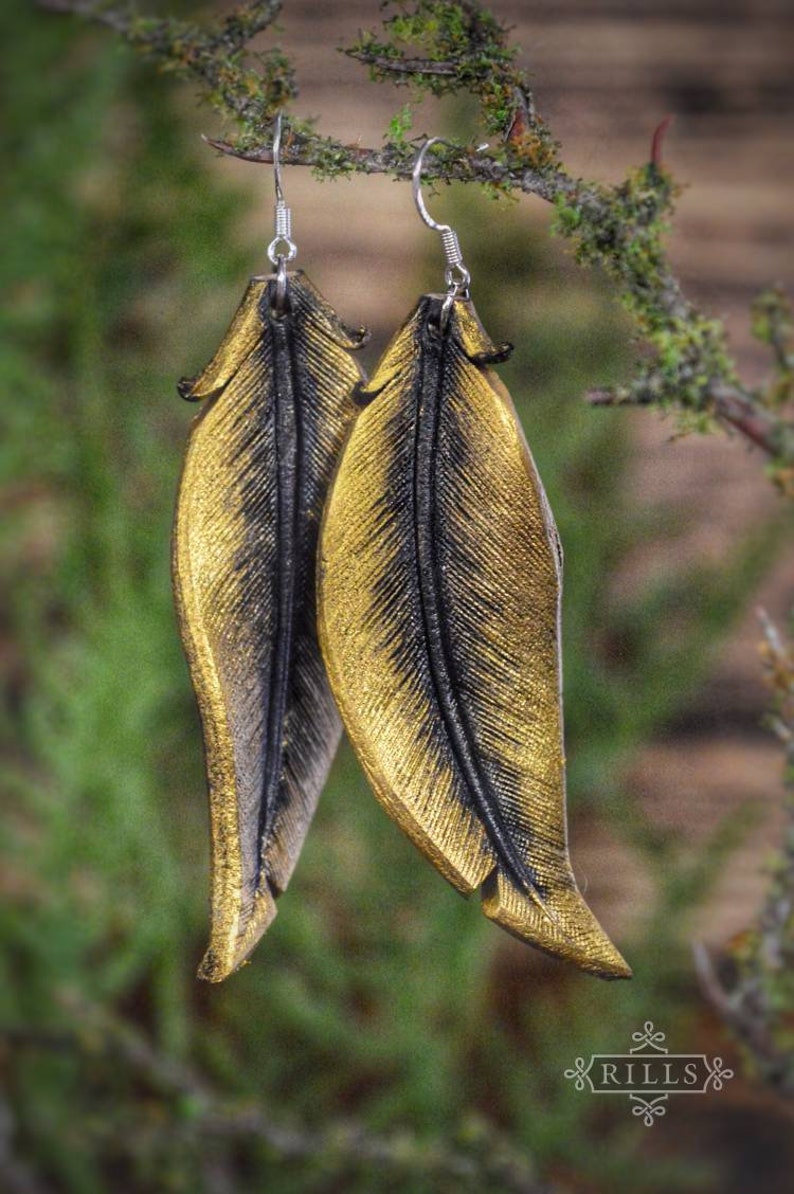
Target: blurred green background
{"points": [[379, 999]]}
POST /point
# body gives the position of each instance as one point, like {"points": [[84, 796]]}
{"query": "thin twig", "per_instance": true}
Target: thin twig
{"points": [[732, 1009], [733, 407], [757, 1005], [619, 228], [405, 66], [213, 1117]]}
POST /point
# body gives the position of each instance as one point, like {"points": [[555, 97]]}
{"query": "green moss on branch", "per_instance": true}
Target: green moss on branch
{"points": [[449, 47]]}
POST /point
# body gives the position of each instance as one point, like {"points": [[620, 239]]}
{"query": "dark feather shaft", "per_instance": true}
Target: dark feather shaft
{"points": [[434, 375], [287, 414]]}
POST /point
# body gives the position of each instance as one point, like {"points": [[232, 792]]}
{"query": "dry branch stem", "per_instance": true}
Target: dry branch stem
{"points": [[619, 228], [212, 1116], [734, 407], [757, 1007]]}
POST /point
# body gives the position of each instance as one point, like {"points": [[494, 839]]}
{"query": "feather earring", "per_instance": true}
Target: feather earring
{"points": [[276, 402], [440, 577]]}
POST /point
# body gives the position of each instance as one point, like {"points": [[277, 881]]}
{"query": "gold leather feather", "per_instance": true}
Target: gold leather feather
{"points": [[276, 403], [440, 577]]}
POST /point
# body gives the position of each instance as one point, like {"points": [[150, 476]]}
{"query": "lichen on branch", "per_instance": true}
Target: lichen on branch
{"points": [[446, 49], [450, 47]]}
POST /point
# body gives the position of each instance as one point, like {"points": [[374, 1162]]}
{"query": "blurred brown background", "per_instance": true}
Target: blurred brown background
{"points": [[378, 997]]}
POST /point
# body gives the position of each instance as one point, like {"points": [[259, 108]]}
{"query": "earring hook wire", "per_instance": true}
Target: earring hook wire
{"points": [[282, 248], [277, 160], [456, 275]]}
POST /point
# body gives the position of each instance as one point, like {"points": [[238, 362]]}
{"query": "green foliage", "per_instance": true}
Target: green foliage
{"points": [[462, 49], [623, 231], [773, 325], [401, 123], [443, 47], [773, 320], [215, 57], [379, 996]]}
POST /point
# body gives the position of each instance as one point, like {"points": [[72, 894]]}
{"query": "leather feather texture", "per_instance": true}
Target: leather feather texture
{"points": [[439, 599], [276, 403]]}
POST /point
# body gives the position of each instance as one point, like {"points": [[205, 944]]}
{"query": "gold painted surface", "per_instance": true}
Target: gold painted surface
{"points": [[499, 580], [226, 567]]}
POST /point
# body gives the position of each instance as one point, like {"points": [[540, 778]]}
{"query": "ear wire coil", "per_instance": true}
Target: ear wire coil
{"points": [[451, 246]]}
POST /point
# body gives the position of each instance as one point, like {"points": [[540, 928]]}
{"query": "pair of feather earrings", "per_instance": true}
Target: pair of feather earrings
{"points": [[383, 547]]}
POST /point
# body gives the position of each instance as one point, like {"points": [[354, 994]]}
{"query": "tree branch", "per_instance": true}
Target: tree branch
{"points": [[406, 66], [621, 229], [491, 1163], [736, 408], [755, 1003]]}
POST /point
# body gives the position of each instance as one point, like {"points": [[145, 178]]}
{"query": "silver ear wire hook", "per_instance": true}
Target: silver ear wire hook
{"points": [[282, 248], [456, 275]]}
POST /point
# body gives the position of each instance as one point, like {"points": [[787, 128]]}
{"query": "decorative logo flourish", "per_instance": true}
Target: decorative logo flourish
{"points": [[648, 1074]]}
